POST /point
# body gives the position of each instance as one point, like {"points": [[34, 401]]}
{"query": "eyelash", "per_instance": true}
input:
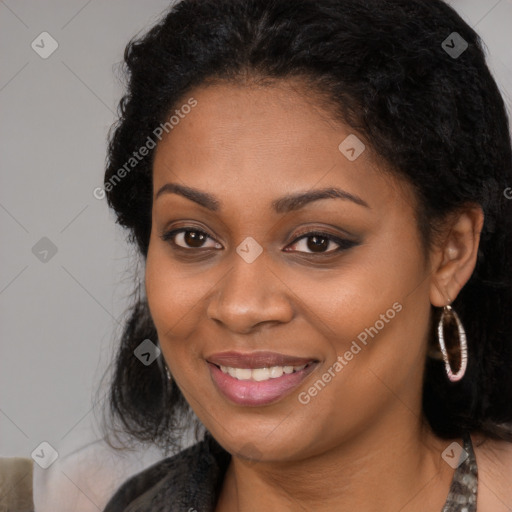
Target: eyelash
{"points": [[343, 244]]}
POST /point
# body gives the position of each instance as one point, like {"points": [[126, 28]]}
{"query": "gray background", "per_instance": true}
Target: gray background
{"points": [[59, 318]]}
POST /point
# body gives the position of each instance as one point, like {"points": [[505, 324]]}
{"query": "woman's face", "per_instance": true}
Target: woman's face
{"points": [[245, 284]]}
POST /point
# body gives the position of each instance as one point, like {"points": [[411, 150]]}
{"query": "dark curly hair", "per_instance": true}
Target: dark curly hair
{"points": [[382, 67]]}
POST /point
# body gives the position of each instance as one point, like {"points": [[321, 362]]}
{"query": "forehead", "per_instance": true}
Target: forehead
{"points": [[263, 141], [233, 118]]}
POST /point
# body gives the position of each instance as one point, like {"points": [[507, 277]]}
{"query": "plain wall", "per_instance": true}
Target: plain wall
{"points": [[59, 318]]}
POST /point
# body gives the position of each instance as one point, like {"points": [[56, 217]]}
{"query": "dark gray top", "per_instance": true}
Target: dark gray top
{"points": [[190, 481]]}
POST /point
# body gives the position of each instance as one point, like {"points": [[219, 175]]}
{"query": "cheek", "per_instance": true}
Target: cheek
{"points": [[377, 314], [364, 291], [174, 295]]}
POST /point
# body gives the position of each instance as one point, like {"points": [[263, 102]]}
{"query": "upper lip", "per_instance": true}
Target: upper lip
{"points": [[256, 359]]}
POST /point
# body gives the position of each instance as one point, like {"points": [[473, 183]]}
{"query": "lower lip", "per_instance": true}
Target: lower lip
{"points": [[252, 393]]}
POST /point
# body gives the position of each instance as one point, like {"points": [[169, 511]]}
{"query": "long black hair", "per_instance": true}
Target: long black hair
{"points": [[410, 78]]}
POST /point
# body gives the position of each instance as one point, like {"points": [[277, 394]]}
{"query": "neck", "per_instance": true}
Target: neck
{"points": [[394, 465]]}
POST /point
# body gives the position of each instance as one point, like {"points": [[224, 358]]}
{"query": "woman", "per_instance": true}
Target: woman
{"points": [[318, 191]]}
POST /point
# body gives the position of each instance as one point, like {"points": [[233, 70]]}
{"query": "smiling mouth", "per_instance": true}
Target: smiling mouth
{"points": [[258, 378], [261, 374]]}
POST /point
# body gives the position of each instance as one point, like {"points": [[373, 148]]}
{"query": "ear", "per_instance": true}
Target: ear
{"points": [[454, 260]]}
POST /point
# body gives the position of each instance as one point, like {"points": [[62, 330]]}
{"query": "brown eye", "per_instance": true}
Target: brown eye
{"points": [[189, 239], [319, 243], [194, 238]]}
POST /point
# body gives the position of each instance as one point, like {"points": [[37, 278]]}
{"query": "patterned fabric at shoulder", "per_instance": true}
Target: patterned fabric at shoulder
{"points": [[464, 488]]}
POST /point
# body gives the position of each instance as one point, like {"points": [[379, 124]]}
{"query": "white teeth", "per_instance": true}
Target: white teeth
{"points": [[275, 372], [242, 373], [261, 374]]}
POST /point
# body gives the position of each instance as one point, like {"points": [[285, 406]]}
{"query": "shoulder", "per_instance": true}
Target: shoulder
{"points": [[494, 461], [191, 477], [143, 485]]}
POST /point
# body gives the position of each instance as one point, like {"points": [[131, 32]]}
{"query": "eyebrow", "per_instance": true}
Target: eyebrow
{"points": [[284, 204]]}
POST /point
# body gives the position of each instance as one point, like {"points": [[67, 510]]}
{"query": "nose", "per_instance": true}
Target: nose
{"points": [[250, 295]]}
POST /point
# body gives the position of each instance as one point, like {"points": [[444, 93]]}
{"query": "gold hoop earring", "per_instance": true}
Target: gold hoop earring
{"points": [[454, 377]]}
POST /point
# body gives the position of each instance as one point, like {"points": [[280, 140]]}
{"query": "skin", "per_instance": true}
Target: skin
{"points": [[249, 145]]}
